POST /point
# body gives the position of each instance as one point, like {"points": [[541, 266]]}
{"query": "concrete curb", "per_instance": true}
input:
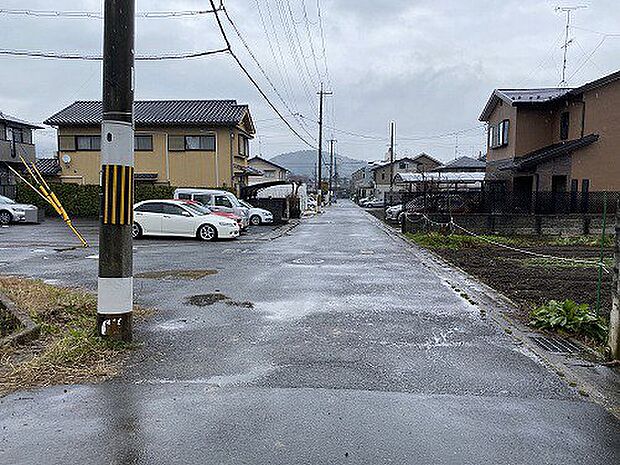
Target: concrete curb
{"points": [[30, 330], [498, 307]]}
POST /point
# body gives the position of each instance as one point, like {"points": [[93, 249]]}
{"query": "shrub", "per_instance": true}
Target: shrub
{"points": [[83, 200], [570, 317]]}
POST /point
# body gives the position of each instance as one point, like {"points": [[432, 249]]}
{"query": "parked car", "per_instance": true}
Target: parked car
{"points": [[13, 212], [257, 215], [237, 219], [362, 202], [374, 203], [180, 218], [392, 213], [216, 200]]}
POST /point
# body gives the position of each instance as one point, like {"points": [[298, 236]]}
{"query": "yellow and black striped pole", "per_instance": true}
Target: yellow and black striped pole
{"points": [[115, 283]]}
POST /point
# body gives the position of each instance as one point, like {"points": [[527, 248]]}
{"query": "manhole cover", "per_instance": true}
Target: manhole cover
{"points": [[556, 345], [307, 261]]}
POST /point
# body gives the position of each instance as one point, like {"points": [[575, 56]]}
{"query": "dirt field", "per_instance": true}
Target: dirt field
{"points": [[532, 281]]}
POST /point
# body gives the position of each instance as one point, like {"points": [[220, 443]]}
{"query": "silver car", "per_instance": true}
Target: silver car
{"points": [[13, 212]]}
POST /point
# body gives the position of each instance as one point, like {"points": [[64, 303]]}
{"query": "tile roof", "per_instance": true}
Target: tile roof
{"points": [[542, 95], [13, 119], [157, 112], [553, 151], [463, 162], [269, 162]]}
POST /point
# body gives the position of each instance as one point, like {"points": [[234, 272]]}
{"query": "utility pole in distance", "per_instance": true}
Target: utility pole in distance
{"points": [[321, 94], [392, 129], [115, 283], [331, 168]]}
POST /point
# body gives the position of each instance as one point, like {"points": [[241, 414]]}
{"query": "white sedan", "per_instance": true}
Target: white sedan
{"points": [[180, 218], [257, 215]]}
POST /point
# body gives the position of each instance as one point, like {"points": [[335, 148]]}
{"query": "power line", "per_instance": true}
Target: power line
{"points": [[99, 15], [320, 21], [86, 57], [309, 34], [253, 81], [260, 67]]}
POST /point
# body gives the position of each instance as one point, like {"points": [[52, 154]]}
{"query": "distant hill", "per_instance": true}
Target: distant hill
{"points": [[303, 163]]}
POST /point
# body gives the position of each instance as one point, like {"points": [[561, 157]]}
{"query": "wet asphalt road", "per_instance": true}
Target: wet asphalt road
{"points": [[352, 352]]}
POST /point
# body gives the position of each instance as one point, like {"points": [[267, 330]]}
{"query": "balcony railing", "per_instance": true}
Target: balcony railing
{"points": [[11, 151]]}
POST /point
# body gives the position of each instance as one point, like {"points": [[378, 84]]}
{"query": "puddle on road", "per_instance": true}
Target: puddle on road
{"points": [[175, 274], [204, 300]]}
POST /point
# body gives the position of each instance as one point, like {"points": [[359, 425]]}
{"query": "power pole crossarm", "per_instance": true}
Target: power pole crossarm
{"points": [[115, 283]]}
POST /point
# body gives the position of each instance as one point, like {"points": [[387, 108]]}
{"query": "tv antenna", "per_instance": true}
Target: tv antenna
{"points": [[567, 41]]}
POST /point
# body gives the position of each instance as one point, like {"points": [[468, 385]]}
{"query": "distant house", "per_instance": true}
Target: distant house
{"points": [[270, 171], [188, 143], [362, 180], [419, 164], [463, 165], [15, 142], [554, 139], [49, 168]]}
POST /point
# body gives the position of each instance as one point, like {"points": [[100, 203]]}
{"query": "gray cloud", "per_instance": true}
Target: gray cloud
{"points": [[428, 65]]}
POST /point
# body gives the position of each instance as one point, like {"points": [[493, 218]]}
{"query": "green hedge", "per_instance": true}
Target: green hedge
{"points": [[83, 201]]}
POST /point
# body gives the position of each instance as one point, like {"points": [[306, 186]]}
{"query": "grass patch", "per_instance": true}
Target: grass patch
{"points": [[542, 262], [589, 241], [571, 318], [68, 350], [437, 241]]}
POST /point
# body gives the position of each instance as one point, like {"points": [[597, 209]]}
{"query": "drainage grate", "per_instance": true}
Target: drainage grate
{"points": [[555, 345]]}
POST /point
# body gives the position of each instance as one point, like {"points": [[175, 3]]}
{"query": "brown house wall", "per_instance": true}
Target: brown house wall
{"points": [[600, 162]]}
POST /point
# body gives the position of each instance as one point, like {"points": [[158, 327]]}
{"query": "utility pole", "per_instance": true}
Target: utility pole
{"points": [[321, 94], [392, 130], [335, 177], [568, 10], [115, 283], [331, 168], [614, 317]]}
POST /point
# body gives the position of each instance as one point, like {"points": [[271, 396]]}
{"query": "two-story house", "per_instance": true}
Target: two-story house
{"points": [[555, 139], [185, 143], [15, 142], [270, 171], [421, 163]]}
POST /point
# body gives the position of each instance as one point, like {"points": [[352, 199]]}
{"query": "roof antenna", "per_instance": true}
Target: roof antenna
{"points": [[568, 10]]}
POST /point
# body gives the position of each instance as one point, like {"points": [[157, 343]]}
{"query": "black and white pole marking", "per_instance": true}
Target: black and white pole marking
{"points": [[115, 284]]}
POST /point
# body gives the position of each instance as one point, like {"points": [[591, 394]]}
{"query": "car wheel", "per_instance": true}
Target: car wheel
{"points": [[255, 220], [207, 233], [136, 231], [5, 217]]}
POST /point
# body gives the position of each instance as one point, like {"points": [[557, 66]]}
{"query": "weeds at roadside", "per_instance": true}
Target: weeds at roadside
{"points": [[68, 349], [436, 241], [571, 318]]}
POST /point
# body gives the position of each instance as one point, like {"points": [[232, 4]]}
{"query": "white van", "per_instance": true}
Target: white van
{"points": [[216, 200]]}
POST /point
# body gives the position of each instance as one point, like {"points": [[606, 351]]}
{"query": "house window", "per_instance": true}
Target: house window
{"points": [[491, 140], [244, 145], [143, 143], [585, 185], [382, 176], [88, 142], [564, 125], [18, 135], [403, 165], [269, 173], [502, 133], [206, 143]]}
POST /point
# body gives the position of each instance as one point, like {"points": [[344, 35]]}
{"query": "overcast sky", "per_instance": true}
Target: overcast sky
{"points": [[429, 65]]}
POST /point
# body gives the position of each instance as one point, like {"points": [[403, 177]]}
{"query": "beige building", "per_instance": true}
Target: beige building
{"points": [[270, 171], [555, 139], [421, 163], [184, 143]]}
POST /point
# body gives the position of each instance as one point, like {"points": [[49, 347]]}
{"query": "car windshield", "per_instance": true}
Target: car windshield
{"points": [[197, 209], [4, 199]]}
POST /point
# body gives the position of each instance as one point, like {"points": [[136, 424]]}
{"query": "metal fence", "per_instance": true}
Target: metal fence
{"points": [[485, 202]]}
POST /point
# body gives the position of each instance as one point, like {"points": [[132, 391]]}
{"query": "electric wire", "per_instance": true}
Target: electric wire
{"points": [[253, 81], [99, 15], [87, 57]]}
